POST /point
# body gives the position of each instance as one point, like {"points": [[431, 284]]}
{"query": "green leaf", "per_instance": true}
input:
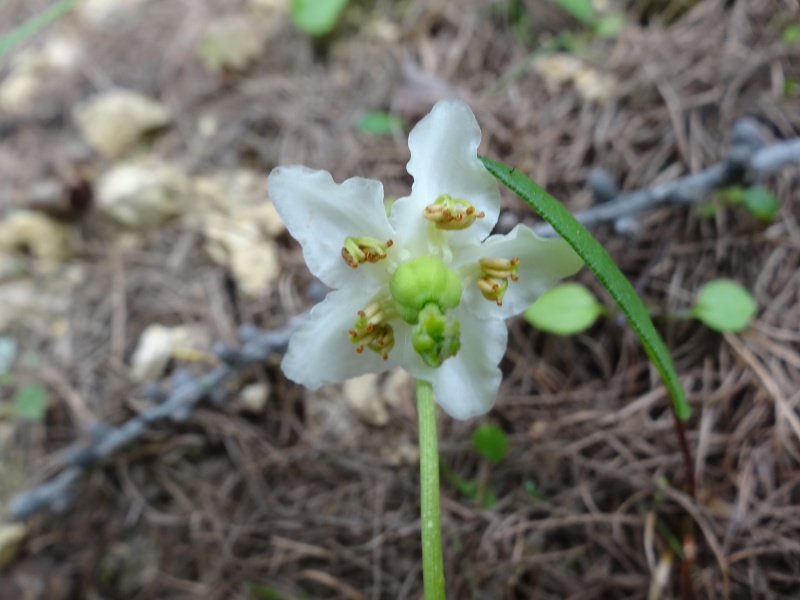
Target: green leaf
{"points": [[724, 305], [566, 309], [317, 17], [609, 26], [601, 264], [583, 10], [732, 195], [30, 402], [491, 442], [380, 123], [791, 35], [761, 202], [31, 26]]}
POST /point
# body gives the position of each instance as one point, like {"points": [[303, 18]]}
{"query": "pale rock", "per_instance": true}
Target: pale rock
{"points": [[143, 193], [239, 246], [239, 225], [229, 43], [155, 348], [100, 13], [398, 388], [11, 537], [113, 121], [37, 234], [32, 67], [364, 396], [254, 396], [594, 86], [43, 305], [558, 68]]}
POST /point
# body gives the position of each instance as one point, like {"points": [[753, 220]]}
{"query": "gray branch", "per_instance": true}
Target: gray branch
{"points": [[748, 161], [55, 495]]}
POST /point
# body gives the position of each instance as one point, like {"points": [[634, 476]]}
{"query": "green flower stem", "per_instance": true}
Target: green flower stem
{"points": [[432, 563]]}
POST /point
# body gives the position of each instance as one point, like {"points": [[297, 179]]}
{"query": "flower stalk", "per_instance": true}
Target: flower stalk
{"points": [[430, 519]]}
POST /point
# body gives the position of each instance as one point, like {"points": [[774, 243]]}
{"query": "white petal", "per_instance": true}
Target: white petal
{"points": [[444, 160], [466, 385], [320, 213], [321, 352], [542, 263]]}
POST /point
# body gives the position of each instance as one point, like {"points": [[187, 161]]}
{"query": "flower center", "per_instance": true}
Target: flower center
{"points": [[357, 250], [451, 213], [495, 273]]}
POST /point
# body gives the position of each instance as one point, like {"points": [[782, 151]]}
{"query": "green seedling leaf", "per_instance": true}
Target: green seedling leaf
{"points": [[761, 202], [8, 352], [724, 305], [491, 442], [565, 309], [601, 264], [30, 402], [583, 10], [791, 35], [609, 26], [317, 17], [380, 123], [732, 195]]}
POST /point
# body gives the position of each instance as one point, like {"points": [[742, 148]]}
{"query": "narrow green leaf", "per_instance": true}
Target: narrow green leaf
{"points": [[30, 402], [724, 305], [761, 202], [583, 10], [601, 264], [566, 309], [380, 123], [491, 442], [34, 24], [317, 17]]}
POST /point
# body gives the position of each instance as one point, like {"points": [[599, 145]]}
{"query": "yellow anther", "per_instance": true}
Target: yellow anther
{"points": [[451, 213], [371, 330], [357, 250], [495, 273]]}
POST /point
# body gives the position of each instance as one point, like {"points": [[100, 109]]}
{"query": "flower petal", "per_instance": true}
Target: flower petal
{"points": [[320, 213], [542, 263], [466, 385], [444, 160], [320, 351]]}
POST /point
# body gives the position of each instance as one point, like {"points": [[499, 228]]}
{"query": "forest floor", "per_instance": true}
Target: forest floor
{"points": [[281, 493]]}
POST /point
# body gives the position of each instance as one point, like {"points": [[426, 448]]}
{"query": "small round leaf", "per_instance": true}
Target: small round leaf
{"points": [[724, 305], [491, 442], [566, 309], [761, 202]]}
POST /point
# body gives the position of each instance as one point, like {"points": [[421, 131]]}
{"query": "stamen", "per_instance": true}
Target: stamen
{"points": [[495, 273], [371, 329], [451, 213], [357, 250]]}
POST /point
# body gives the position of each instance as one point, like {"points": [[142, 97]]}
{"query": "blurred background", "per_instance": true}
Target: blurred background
{"points": [[136, 231]]}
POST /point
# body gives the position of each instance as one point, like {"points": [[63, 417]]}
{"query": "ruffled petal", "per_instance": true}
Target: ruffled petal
{"points": [[542, 263], [321, 352], [444, 160], [320, 213], [466, 385]]}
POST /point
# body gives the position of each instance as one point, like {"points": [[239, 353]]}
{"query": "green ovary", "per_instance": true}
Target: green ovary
{"points": [[423, 281]]}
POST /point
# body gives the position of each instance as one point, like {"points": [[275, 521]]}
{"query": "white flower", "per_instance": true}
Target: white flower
{"points": [[440, 317]]}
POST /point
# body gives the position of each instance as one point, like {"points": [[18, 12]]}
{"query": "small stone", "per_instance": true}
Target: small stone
{"points": [[11, 537], [254, 396], [143, 193], [113, 121], [364, 396], [37, 234]]}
